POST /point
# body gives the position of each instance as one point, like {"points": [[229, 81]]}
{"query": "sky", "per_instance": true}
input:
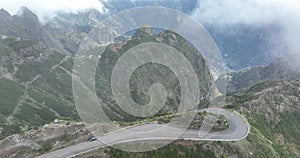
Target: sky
{"points": [[48, 8]]}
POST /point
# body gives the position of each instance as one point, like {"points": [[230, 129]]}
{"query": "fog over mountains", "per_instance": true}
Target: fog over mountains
{"points": [[275, 23], [247, 34]]}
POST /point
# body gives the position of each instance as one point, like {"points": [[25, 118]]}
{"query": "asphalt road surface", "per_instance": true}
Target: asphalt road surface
{"points": [[238, 130]]}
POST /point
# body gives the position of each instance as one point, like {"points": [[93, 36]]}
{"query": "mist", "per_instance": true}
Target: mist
{"points": [[284, 13], [47, 9]]}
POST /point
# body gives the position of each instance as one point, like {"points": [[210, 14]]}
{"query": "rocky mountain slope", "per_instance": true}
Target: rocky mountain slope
{"points": [[64, 32], [148, 74], [49, 137], [26, 25], [36, 81], [35, 86], [272, 110]]}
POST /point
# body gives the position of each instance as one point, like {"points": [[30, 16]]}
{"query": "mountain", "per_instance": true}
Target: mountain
{"points": [[36, 80], [180, 5], [67, 30], [59, 33], [35, 88], [284, 68], [243, 46], [26, 25], [272, 110], [148, 74]]}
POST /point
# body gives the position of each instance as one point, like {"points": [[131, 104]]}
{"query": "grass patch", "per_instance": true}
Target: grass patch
{"points": [[45, 148], [10, 93], [289, 126], [27, 72], [169, 151], [35, 116]]}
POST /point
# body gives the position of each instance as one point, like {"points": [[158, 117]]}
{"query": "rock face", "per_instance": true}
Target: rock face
{"points": [[26, 25], [6, 21]]}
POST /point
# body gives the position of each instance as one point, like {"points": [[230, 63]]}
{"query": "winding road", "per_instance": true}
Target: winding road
{"points": [[238, 130]]}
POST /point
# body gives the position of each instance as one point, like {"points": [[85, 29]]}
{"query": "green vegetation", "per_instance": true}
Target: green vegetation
{"points": [[65, 137], [35, 116], [9, 129], [232, 106], [68, 64], [49, 96], [10, 93], [169, 151], [265, 147], [273, 131], [28, 71], [221, 122], [45, 148], [45, 87], [58, 83], [148, 74], [13, 44], [62, 106], [289, 126]]}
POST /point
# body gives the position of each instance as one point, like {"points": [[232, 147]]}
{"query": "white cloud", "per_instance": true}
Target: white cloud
{"points": [[48, 8], [285, 13], [246, 11]]}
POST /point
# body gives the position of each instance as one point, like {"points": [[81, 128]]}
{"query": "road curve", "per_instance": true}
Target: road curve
{"points": [[238, 130]]}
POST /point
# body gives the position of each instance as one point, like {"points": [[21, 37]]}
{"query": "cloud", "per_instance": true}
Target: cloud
{"points": [[48, 8], [246, 11], [285, 13]]}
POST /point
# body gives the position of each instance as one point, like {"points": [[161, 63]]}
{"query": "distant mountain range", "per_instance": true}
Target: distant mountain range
{"points": [[180, 5], [282, 69], [241, 45]]}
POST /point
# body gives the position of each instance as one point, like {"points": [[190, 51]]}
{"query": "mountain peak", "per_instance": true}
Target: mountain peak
{"points": [[3, 12], [27, 15], [143, 32], [25, 12]]}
